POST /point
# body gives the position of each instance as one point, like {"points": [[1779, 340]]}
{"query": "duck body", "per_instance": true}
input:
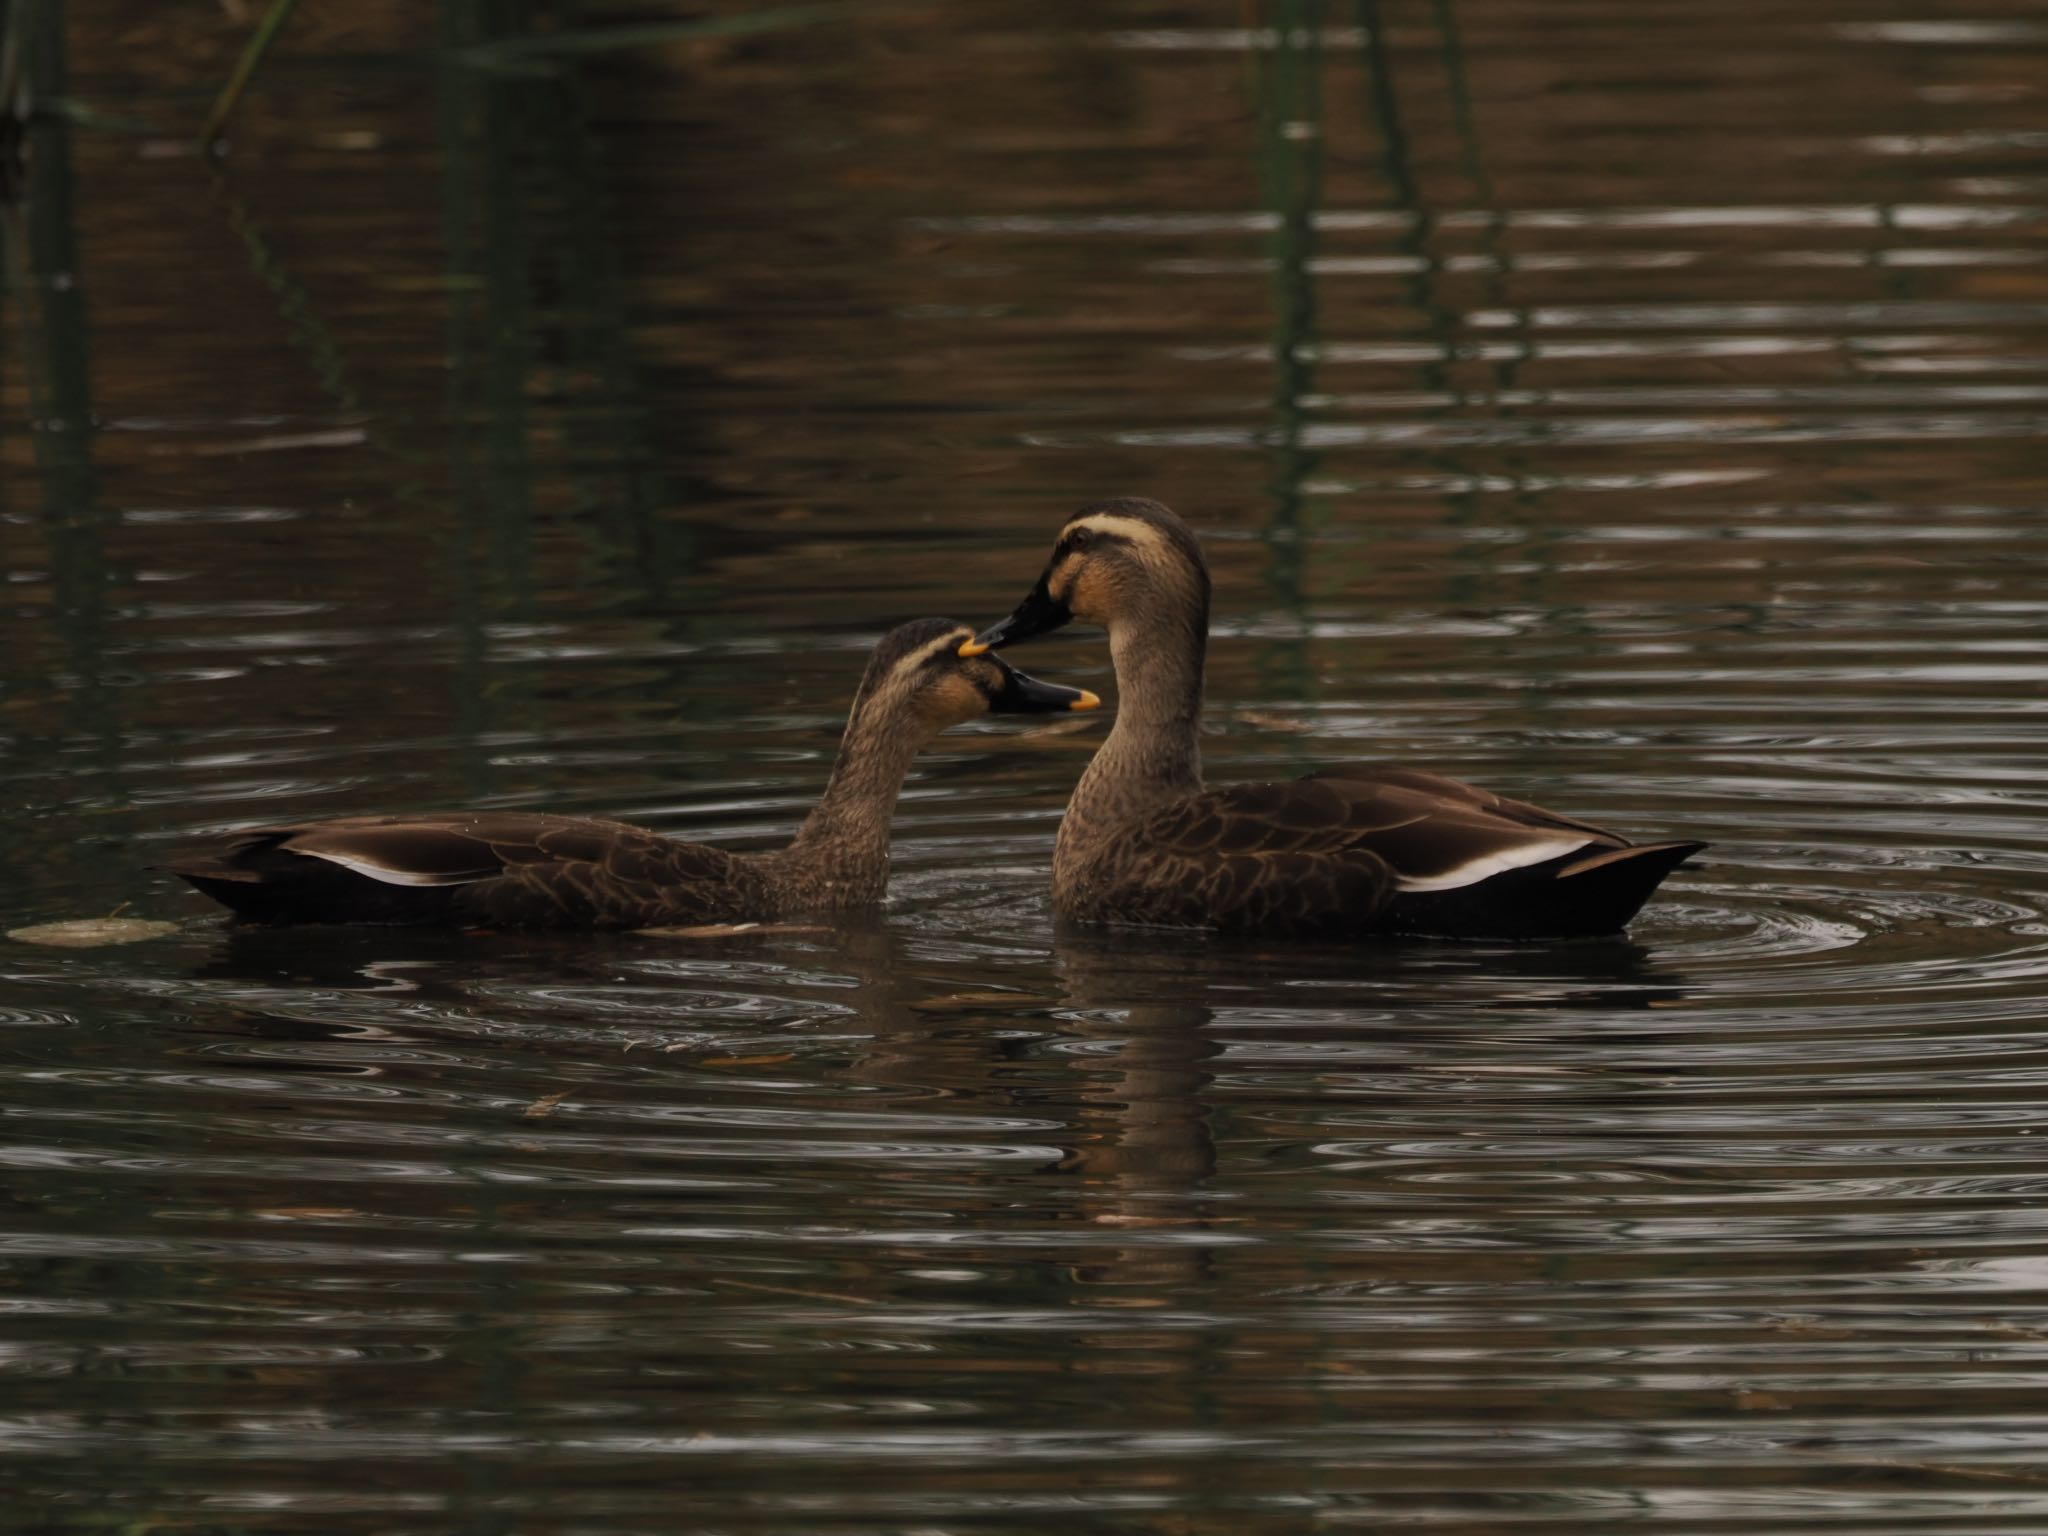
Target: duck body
{"points": [[531, 870], [1358, 850], [1348, 852], [494, 869]]}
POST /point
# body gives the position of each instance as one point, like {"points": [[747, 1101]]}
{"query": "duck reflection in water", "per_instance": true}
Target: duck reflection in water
{"points": [[1116, 1084], [1106, 1064]]}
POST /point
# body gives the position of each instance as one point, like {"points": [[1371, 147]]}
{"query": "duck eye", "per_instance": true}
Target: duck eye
{"points": [[1079, 540]]}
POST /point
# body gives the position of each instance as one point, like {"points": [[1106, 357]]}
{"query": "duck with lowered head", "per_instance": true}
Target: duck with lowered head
{"points": [[1347, 851], [520, 869]]}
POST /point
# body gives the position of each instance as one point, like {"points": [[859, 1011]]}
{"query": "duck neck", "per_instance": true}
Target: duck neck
{"points": [[1154, 752], [840, 857]]}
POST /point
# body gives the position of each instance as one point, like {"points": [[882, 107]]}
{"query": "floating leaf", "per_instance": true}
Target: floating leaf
{"points": [[92, 932], [540, 1109]]}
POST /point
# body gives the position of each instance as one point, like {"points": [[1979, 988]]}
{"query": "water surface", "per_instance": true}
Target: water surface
{"points": [[1635, 408]]}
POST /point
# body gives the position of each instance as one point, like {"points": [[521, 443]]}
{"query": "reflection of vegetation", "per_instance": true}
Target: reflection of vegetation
{"points": [[539, 348], [547, 427], [1290, 115], [303, 323], [50, 327], [1466, 125], [1442, 319], [516, 50], [1473, 568], [537, 315], [31, 72], [531, 51], [245, 68], [535, 307], [20, 20], [1495, 268], [1441, 323], [41, 264], [1287, 88], [1398, 170]]}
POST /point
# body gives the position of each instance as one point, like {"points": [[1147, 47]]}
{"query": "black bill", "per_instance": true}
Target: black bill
{"points": [[1038, 614], [1023, 694]]}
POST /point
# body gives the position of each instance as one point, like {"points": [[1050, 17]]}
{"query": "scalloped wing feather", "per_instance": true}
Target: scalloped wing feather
{"points": [[1447, 791], [1328, 891]]}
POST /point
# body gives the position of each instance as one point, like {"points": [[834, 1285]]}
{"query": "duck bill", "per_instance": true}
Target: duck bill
{"points": [[1023, 694], [1039, 614]]}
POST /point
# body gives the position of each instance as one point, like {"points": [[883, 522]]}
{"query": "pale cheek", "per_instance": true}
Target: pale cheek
{"points": [[955, 706], [1098, 595]]}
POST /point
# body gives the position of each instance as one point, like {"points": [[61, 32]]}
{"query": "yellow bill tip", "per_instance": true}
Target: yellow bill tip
{"points": [[972, 648], [1087, 701]]}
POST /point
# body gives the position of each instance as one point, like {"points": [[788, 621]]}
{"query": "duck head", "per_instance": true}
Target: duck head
{"points": [[918, 672], [1127, 561]]}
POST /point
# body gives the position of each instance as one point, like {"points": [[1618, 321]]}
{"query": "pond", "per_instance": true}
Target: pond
{"points": [[1636, 408]]}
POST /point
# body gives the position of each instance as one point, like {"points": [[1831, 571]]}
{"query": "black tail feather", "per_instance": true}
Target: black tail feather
{"points": [[1571, 897], [289, 889]]}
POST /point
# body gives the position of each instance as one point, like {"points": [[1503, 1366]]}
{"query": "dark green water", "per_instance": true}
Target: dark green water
{"points": [[1636, 407]]}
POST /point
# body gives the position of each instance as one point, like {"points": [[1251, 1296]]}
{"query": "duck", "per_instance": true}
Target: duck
{"points": [[1347, 851], [531, 870]]}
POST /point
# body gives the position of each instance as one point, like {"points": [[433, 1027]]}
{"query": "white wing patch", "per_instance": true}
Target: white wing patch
{"points": [[1521, 856], [388, 875]]}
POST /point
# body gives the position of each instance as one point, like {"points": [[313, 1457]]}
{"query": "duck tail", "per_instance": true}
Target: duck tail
{"points": [[260, 884], [1602, 891]]}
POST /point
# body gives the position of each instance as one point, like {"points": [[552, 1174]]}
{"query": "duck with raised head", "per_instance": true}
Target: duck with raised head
{"points": [[519, 869], [1347, 851]]}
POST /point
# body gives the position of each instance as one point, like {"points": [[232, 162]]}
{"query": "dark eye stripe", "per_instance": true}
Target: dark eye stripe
{"points": [[1097, 539]]}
